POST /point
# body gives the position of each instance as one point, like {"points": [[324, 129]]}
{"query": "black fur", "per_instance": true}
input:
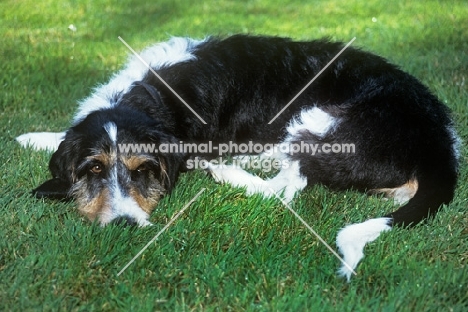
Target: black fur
{"points": [[237, 85]]}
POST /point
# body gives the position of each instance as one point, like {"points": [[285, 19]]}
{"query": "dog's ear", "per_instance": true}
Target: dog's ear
{"points": [[61, 166], [171, 163], [54, 188], [171, 166]]}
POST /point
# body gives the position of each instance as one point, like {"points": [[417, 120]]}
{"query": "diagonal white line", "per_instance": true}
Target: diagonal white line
{"points": [[313, 232], [162, 80], [162, 230], [313, 79]]}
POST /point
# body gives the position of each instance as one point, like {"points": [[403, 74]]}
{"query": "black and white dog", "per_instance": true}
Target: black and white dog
{"points": [[404, 142]]}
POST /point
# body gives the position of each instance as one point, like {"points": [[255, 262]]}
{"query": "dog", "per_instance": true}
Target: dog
{"points": [[235, 90]]}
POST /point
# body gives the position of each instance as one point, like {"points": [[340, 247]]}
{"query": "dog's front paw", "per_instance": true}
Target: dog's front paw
{"points": [[220, 173], [41, 140], [236, 176]]}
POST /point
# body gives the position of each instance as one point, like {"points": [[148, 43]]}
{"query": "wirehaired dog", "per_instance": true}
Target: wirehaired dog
{"points": [[405, 143]]}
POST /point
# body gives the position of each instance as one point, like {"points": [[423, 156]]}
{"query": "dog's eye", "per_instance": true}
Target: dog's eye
{"points": [[142, 168], [96, 169]]}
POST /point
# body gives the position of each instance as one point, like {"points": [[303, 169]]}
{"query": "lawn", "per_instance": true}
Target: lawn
{"points": [[227, 251]]}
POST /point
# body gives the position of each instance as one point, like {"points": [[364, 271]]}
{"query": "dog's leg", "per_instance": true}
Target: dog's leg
{"points": [[352, 239], [41, 140], [434, 186], [401, 194], [287, 182]]}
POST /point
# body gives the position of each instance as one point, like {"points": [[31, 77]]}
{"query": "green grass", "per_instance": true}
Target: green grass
{"points": [[228, 251]]}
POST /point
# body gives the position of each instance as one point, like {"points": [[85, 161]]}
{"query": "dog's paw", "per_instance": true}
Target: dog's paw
{"points": [[222, 173], [352, 239], [238, 177], [41, 140], [214, 171]]}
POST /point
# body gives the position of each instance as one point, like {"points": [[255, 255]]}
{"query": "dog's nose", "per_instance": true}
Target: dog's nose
{"points": [[125, 221]]}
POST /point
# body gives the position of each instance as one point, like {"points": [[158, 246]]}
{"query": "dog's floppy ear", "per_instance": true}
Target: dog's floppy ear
{"points": [[171, 166], [171, 163], [61, 167], [54, 188]]}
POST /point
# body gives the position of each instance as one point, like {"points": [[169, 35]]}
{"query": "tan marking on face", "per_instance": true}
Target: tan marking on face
{"points": [[133, 162], [95, 207], [400, 194], [146, 203], [103, 158]]}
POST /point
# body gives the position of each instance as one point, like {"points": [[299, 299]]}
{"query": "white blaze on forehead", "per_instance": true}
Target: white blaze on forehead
{"points": [[111, 130], [120, 203]]}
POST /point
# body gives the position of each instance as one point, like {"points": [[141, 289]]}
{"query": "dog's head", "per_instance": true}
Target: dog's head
{"points": [[106, 163]]}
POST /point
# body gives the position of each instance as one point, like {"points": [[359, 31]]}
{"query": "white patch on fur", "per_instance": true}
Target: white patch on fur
{"points": [[174, 51], [41, 140], [288, 181], [352, 239], [314, 120], [122, 205], [111, 129]]}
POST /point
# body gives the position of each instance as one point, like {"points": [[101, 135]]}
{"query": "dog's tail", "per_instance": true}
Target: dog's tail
{"points": [[436, 186]]}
